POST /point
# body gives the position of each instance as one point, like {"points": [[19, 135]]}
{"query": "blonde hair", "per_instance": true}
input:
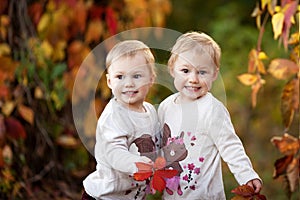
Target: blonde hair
{"points": [[192, 40], [131, 48]]}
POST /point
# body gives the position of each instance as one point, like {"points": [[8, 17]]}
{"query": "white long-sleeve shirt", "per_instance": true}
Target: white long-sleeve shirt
{"points": [[209, 136], [123, 137]]}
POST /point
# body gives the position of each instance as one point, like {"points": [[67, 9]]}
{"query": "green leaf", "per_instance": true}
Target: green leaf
{"points": [[58, 70]]}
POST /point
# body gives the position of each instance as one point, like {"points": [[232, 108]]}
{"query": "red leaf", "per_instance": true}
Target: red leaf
{"points": [[141, 176], [159, 176], [166, 173], [281, 165], [247, 192], [35, 12], [96, 12], [111, 21], [244, 190], [14, 128], [158, 182]]}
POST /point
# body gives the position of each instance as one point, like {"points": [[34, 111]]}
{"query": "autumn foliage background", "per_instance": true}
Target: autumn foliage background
{"points": [[44, 42]]}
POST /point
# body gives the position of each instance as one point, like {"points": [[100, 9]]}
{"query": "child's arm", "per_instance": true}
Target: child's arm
{"points": [[255, 184]]}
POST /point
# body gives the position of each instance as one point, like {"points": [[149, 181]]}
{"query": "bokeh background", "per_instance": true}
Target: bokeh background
{"points": [[43, 44]]}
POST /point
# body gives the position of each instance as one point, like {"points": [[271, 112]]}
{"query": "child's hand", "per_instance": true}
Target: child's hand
{"points": [[255, 184]]}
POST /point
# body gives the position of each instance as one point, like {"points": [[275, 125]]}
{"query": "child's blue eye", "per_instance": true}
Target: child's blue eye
{"points": [[137, 76], [202, 72]]}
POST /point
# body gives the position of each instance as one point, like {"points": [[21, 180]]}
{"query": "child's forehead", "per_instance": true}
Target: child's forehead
{"points": [[197, 58]]}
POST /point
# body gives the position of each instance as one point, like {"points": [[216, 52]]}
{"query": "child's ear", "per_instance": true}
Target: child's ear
{"points": [[216, 72], [171, 71], [108, 81]]}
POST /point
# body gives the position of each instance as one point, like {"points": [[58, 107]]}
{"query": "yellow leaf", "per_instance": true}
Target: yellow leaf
{"points": [[271, 6], [44, 22], [7, 154], [262, 55], [277, 24], [8, 107], [94, 31], [264, 3], [282, 68], [247, 79], [38, 93], [67, 141], [4, 49], [256, 12], [47, 49], [59, 51], [26, 113]]}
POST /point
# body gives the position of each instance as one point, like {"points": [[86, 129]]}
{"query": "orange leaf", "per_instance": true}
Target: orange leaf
{"points": [[289, 101], [94, 31], [67, 141], [160, 163], [287, 144], [26, 113], [293, 170], [141, 176], [283, 68], [143, 167], [248, 79]]}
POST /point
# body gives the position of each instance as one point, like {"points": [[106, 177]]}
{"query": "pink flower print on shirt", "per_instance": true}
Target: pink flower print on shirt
{"points": [[185, 178], [201, 159], [191, 166], [197, 170]]}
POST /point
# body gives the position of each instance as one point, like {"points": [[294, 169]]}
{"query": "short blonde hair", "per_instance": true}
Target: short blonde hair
{"points": [[191, 40], [131, 48]]}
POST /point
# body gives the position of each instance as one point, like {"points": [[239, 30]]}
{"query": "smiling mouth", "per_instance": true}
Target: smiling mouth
{"points": [[130, 92], [192, 88]]}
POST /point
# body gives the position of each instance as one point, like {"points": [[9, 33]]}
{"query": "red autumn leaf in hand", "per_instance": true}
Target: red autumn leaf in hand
{"points": [[141, 176], [246, 192], [156, 172], [158, 181], [144, 171]]}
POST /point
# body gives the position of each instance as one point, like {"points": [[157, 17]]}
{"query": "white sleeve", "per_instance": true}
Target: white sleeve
{"points": [[113, 146], [230, 146]]}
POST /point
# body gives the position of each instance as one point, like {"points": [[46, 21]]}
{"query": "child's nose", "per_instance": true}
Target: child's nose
{"points": [[194, 78], [129, 82]]}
